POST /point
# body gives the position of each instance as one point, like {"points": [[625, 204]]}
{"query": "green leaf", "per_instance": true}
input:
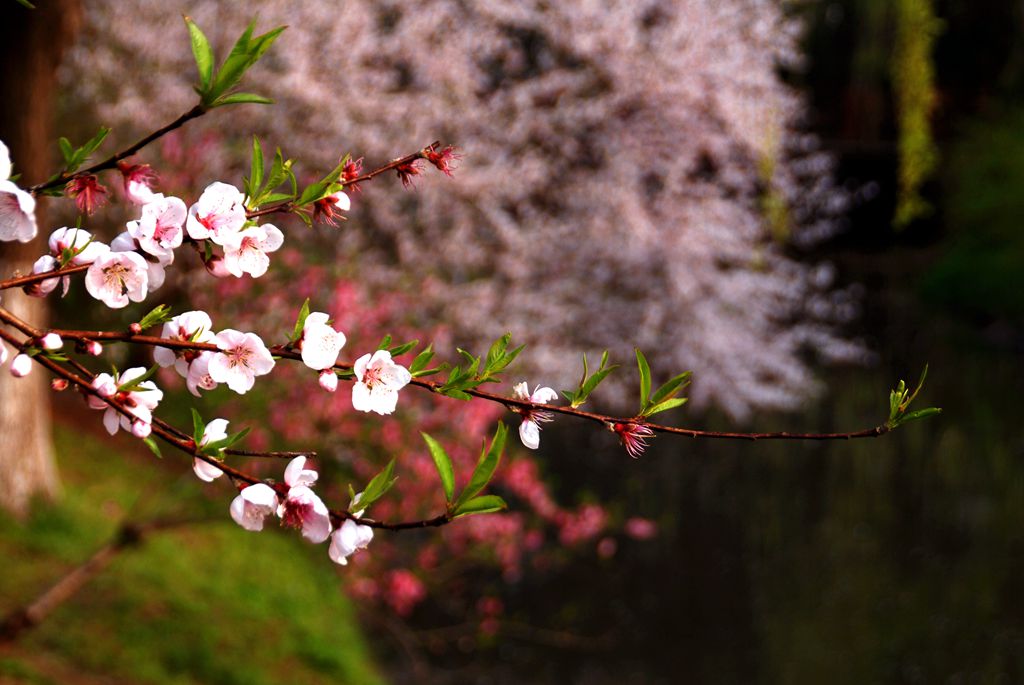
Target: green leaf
{"points": [[198, 427], [671, 387], [377, 487], [256, 169], [93, 143], [153, 446], [444, 467], [241, 99], [66, 149], [203, 54], [422, 359], [399, 350], [246, 52], [216, 446], [158, 315], [26, 3], [485, 467], [133, 385], [664, 405], [485, 504], [919, 414], [645, 377], [300, 322]]}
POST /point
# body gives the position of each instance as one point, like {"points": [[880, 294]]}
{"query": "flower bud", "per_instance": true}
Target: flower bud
{"points": [[135, 329], [329, 380], [141, 429], [21, 366], [51, 341], [93, 348], [59, 384]]}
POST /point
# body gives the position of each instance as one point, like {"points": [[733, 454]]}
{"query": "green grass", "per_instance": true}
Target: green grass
{"points": [[208, 603]]}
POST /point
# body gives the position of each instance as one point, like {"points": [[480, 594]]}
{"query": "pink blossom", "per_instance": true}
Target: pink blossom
{"points": [[75, 246], [245, 252], [218, 215], [199, 377], [379, 380], [139, 180], [160, 228], [193, 326], [139, 402], [43, 265], [215, 430], [348, 539], [252, 505], [329, 209], [51, 341], [320, 343], [529, 429], [328, 380], [302, 508], [155, 272], [243, 356], [633, 436], [88, 192], [17, 208], [116, 278], [444, 159], [93, 348]]}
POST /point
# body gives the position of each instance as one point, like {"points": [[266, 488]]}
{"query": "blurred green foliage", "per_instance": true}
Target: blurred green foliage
{"points": [[206, 603], [981, 269]]}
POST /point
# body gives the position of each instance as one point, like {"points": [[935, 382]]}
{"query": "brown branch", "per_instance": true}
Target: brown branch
{"points": [[286, 352], [289, 205], [111, 162], [38, 278]]}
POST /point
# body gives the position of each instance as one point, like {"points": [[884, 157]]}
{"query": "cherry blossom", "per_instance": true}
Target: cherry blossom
{"points": [[51, 341], [328, 380], [348, 539], [160, 228], [633, 436], [88, 192], [75, 246], [17, 208], [138, 182], [155, 272], [193, 326], [529, 429], [379, 380], [199, 377], [243, 356], [320, 343], [329, 209], [139, 402], [21, 366], [252, 505], [245, 252], [302, 508], [116, 278], [45, 264], [215, 430], [218, 215]]}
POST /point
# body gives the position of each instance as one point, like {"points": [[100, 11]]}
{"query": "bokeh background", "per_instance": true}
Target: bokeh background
{"points": [[802, 202]]}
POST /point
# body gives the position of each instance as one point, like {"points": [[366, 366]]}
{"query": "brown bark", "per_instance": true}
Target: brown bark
{"points": [[31, 45]]}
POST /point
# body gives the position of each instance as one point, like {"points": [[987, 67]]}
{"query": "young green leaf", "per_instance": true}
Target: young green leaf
{"points": [[422, 359], [158, 315], [255, 181], [485, 504], [216, 446], [645, 377], [153, 446], [444, 466], [133, 384], [203, 55], [243, 98], [399, 350], [198, 427], [377, 487], [485, 467], [300, 322]]}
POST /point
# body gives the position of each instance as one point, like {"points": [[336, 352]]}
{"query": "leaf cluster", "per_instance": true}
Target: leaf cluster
{"points": [[469, 500], [589, 381], [664, 398], [475, 371], [899, 401], [216, 87]]}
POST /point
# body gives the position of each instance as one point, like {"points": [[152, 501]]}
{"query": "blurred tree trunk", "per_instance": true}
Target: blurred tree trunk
{"points": [[31, 45]]}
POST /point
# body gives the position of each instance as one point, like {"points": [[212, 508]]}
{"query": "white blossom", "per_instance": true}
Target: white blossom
{"points": [[17, 208], [243, 356], [328, 380], [529, 429], [348, 539], [139, 402], [218, 215], [378, 381], [76, 243], [159, 231], [252, 505], [245, 252], [320, 343], [302, 508], [214, 431], [199, 377], [21, 366], [51, 341], [192, 326], [116, 278]]}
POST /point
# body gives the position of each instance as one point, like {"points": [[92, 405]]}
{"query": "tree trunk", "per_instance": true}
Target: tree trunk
{"points": [[31, 44]]}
